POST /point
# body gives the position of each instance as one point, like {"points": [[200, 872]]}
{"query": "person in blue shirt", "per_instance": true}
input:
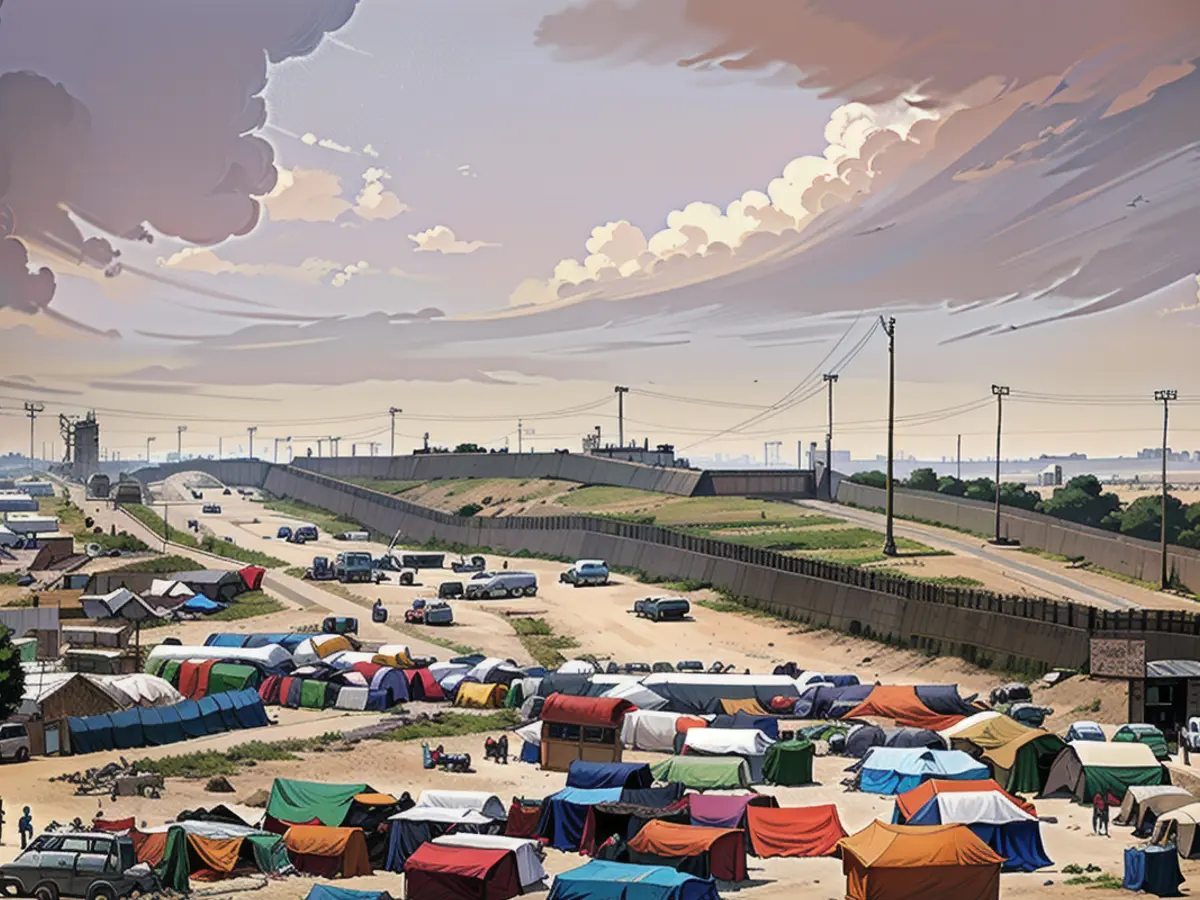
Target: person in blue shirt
{"points": [[25, 826]]}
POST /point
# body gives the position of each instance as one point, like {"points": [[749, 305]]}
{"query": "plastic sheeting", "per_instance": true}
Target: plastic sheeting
{"points": [[439, 872], [705, 772], [585, 711], [564, 814], [156, 726], [604, 880], [479, 801], [724, 810], [768, 725], [902, 704], [306, 801], [321, 850], [898, 862], [706, 852], [794, 831], [696, 693], [529, 861], [726, 742], [637, 694], [649, 730], [591, 775], [789, 763], [271, 657], [887, 770]]}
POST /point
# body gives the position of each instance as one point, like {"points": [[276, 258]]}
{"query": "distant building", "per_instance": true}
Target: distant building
{"points": [[1051, 476], [663, 455]]}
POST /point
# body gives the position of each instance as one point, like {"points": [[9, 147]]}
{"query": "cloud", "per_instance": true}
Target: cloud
{"points": [[311, 139], [20, 289], [200, 259], [440, 239], [373, 201], [369, 150], [306, 195], [360, 268]]}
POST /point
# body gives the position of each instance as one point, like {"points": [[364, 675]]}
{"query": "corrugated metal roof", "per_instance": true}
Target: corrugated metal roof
{"points": [[1173, 668]]}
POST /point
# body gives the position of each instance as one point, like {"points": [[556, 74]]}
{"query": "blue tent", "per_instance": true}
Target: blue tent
{"points": [[329, 892], [152, 726], [593, 775], [894, 770], [191, 719], [127, 729], [604, 880], [90, 734], [248, 708], [564, 813], [210, 712], [1009, 830], [768, 725], [202, 604]]}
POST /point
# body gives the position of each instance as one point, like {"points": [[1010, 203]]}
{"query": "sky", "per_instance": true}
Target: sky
{"points": [[296, 214]]}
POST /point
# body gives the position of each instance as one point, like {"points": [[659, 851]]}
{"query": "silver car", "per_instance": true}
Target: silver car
{"points": [[94, 866], [503, 584], [14, 742]]}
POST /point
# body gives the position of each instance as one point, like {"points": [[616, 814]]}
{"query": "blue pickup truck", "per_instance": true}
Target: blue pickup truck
{"points": [[353, 567]]}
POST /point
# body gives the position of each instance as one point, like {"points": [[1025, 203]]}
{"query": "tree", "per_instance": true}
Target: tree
{"points": [[469, 448], [874, 479], [1013, 494], [1082, 500], [951, 486], [1143, 518], [923, 480], [1190, 538], [980, 489], [12, 676]]}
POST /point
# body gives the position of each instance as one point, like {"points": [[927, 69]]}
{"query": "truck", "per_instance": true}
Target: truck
{"points": [[429, 612], [95, 866], [320, 570], [586, 572], [656, 609], [305, 531], [353, 567]]}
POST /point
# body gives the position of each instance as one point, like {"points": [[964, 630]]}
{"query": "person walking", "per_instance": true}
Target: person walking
{"points": [[1100, 815], [25, 826]]}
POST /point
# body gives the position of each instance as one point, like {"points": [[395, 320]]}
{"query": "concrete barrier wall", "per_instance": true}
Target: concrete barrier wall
{"points": [[757, 483], [241, 472], [1114, 552]]}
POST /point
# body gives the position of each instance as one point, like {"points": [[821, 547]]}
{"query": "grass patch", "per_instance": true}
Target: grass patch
{"points": [[122, 541], [727, 605], [296, 571], [596, 497], [326, 521], [241, 554], [70, 517], [539, 639], [1101, 882], [1093, 707], [159, 565], [961, 581], [9, 578], [247, 606], [453, 724], [208, 543], [208, 763], [384, 485], [792, 539], [155, 523]]}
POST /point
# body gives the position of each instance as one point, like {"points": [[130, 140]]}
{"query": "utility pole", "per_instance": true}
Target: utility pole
{"points": [[320, 443], [250, 431], [427, 442], [219, 440], [148, 441], [179, 430], [392, 412], [620, 391], [999, 391], [1165, 397], [333, 445], [889, 328], [520, 437], [830, 379], [373, 445], [288, 439], [958, 458], [32, 409]]}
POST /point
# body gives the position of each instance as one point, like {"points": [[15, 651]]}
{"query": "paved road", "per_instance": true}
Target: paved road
{"points": [[1049, 583]]}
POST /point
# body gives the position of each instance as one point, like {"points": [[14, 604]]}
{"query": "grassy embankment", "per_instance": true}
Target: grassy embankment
{"points": [[328, 522], [208, 543], [71, 519]]}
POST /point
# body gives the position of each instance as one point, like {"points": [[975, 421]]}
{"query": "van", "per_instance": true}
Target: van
{"points": [[14, 742], [352, 536], [586, 572], [284, 533], [305, 531], [503, 584], [353, 567], [658, 608]]}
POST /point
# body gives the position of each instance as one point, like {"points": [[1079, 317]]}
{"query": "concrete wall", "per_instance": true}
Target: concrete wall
{"points": [[1115, 552], [757, 483]]}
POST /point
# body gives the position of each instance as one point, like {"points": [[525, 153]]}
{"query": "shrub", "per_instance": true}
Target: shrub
{"points": [[468, 509]]}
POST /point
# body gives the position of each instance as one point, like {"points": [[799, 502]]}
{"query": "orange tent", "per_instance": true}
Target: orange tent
{"points": [[900, 703], [908, 803], [939, 862], [794, 831], [710, 852], [683, 723], [328, 852], [750, 706]]}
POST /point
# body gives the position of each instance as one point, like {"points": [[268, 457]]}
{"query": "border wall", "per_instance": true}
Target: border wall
{"points": [[1114, 552]]}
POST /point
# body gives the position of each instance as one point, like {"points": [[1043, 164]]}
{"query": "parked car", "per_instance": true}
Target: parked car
{"points": [[1087, 731], [1144, 734], [1030, 714], [388, 563], [352, 567], [211, 509], [284, 533], [586, 572], [450, 589], [636, 668], [305, 532], [504, 584], [662, 667], [14, 742], [690, 665], [474, 564], [429, 612], [659, 608], [352, 536], [339, 625], [94, 866]]}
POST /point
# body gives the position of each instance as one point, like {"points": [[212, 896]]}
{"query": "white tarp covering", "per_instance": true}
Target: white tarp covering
{"points": [[713, 680], [441, 814], [969, 722], [979, 808], [650, 730], [395, 650], [440, 670], [529, 860], [308, 651], [637, 694], [272, 656], [346, 659], [576, 667], [1114, 756], [167, 587], [482, 670], [727, 741], [530, 734], [479, 801], [807, 678], [104, 606], [142, 689], [352, 698]]}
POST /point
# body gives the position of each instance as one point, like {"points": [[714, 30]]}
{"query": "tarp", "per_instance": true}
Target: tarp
{"points": [[329, 892], [637, 694], [817, 701], [151, 726], [749, 706], [438, 872], [1180, 826], [705, 772], [603, 880], [527, 852], [789, 763], [296, 802], [328, 852], [475, 695], [901, 704], [910, 801], [703, 693], [564, 814], [410, 829], [1145, 734], [318, 646], [252, 577], [1086, 768], [354, 698], [724, 810], [986, 731], [271, 657], [1154, 870], [970, 722], [1131, 803], [523, 816], [944, 699], [1022, 765], [622, 821], [141, 689], [794, 831], [768, 725], [201, 604], [591, 775], [649, 730], [1001, 824], [600, 712], [900, 862], [726, 742], [224, 676], [718, 853], [891, 770], [480, 801], [423, 686]]}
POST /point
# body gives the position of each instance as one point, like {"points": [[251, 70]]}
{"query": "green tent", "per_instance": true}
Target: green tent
{"points": [[27, 647], [298, 802], [1022, 765], [170, 672], [312, 694], [270, 853], [174, 869], [231, 677], [789, 763], [180, 857], [1144, 734], [1086, 768], [704, 772], [515, 696]]}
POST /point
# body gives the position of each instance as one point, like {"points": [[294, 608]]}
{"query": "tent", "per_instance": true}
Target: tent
{"points": [[590, 775], [474, 695], [269, 658], [201, 604], [718, 853], [311, 802], [748, 706], [523, 817], [768, 725], [944, 699], [725, 810], [902, 704], [1086, 768], [153, 726], [252, 577], [704, 772], [318, 646], [703, 693], [1145, 734], [623, 821], [528, 853], [565, 813], [794, 831], [207, 851], [1133, 806], [1153, 870], [223, 676], [751, 745], [328, 852], [478, 801], [897, 862], [603, 880], [789, 763], [892, 770], [649, 730], [817, 701], [423, 686], [970, 722], [637, 694], [410, 829], [1180, 826], [391, 684], [908, 803], [1022, 765], [328, 892], [1011, 831]]}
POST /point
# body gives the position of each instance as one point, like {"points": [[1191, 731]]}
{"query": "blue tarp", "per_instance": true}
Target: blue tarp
{"points": [[127, 729], [564, 813], [894, 770], [655, 797], [817, 701], [202, 604], [1020, 843], [594, 776], [157, 725], [91, 734], [768, 725], [288, 641], [191, 719], [248, 709], [530, 753], [210, 712], [604, 880], [1154, 870], [329, 892]]}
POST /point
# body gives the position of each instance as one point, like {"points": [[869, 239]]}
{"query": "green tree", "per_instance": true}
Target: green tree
{"points": [[923, 480], [1143, 518], [1013, 494], [12, 676], [951, 486], [1082, 500], [874, 479], [1192, 516], [469, 448], [980, 489], [1189, 538]]}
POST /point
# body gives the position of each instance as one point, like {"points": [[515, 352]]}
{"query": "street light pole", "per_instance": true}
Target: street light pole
{"points": [[250, 431], [179, 430], [1165, 397], [148, 440], [831, 380], [889, 328], [1000, 391], [620, 391], [287, 439], [392, 412]]}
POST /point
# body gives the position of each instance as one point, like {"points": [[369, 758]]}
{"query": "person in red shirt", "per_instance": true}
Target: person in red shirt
{"points": [[1100, 815]]}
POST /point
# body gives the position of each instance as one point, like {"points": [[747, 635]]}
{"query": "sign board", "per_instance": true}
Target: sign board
{"points": [[1118, 658]]}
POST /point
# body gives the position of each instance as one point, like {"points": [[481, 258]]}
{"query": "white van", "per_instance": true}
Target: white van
{"points": [[502, 584]]}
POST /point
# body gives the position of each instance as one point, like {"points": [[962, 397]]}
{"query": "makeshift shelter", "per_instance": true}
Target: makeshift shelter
{"points": [[318, 646], [908, 803], [252, 577], [1086, 768], [388, 687], [584, 728], [269, 658], [637, 694], [1134, 802], [817, 701], [970, 722], [207, 851], [476, 695], [751, 745], [768, 725], [902, 704], [423, 686], [1011, 831], [794, 831], [589, 775], [789, 763], [564, 814], [328, 852], [748, 706], [478, 801], [528, 853], [724, 810], [1022, 765], [1152, 870], [310, 803], [623, 821], [202, 605], [649, 730], [153, 726], [1180, 826], [523, 818], [604, 880], [329, 892], [898, 862], [410, 829], [217, 584], [718, 853], [704, 773], [704, 693], [891, 770]]}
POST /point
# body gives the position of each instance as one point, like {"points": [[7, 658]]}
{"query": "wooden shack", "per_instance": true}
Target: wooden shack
{"points": [[585, 728]]}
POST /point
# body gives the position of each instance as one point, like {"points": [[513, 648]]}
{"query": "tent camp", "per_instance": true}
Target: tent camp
{"points": [[623, 821], [423, 686], [1141, 800], [652, 730], [768, 725], [890, 770], [725, 810], [1086, 768], [704, 773], [155, 726], [475, 695], [269, 658], [718, 853], [902, 704], [527, 852], [637, 694], [318, 646], [863, 736], [311, 803], [818, 701], [590, 775], [564, 814], [1180, 826], [328, 852], [789, 763], [410, 829], [603, 880], [749, 744], [140, 689], [703, 693], [794, 831], [890, 862], [1013, 832]]}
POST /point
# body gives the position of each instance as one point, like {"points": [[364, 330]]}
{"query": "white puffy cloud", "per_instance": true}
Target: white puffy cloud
{"points": [[312, 140], [341, 277], [307, 195], [441, 239], [201, 259], [370, 151], [374, 201]]}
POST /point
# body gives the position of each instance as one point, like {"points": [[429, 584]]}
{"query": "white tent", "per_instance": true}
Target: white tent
{"points": [[346, 659], [979, 808], [480, 801], [168, 587], [649, 730], [440, 670], [727, 741], [969, 722], [442, 814], [308, 651], [528, 852], [352, 697], [270, 656], [530, 734], [576, 667], [637, 694], [395, 650], [141, 689]]}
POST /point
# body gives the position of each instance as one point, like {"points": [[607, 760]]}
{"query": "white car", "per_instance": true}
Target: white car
{"points": [[1192, 735], [14, 742]]}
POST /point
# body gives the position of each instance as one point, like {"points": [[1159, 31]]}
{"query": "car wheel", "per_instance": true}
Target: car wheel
{"points": [[47, 890], [101, 892], [406, 579], [514, 593], [22, 754], [531, 591]]}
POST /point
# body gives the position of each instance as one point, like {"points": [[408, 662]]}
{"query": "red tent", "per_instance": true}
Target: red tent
{"points": [[794, 831], [901, 704], [523, 819], [423, 686], [598, 712], [269, 689], [193, 678], [443, 872], [252, 577], [704, 852]]}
